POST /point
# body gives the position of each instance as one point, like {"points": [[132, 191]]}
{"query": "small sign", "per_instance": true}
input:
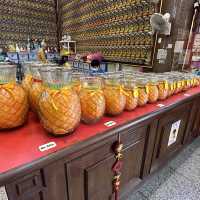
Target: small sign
{"points": [[110, 123], [187, 95], [3, 193], [160, 105], [174, 132], [47, 146]]}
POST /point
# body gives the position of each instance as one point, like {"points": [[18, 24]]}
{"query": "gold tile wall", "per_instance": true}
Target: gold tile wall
{"points": [[22, 18], [120, 29]]}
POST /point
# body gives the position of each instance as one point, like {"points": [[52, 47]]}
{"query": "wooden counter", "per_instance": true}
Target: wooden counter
{"points": [[79, 166]]}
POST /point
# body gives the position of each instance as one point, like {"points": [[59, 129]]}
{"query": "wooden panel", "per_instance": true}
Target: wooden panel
{"points": [[90, 177], [162, 150], [55, 181], [27, 188]]}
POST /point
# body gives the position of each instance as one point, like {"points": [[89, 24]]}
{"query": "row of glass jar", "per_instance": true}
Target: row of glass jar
{"points": [[62, 98]]}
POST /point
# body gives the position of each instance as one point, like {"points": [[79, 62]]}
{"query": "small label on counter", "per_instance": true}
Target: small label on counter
{"points": [[174, 132], [110, 123], [160, 105], [47, 146], [187, 95]]}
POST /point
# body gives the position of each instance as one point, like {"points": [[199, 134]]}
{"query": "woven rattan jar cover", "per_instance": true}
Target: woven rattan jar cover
{"points": [[92, 100], [13, 99], [59, 105]]}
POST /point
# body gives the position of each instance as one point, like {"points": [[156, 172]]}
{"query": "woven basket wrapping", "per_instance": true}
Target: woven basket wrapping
{"points": [[34, 95], [153, 93], [163, 92], [59, 111], [115, 100], [143, 97], [131, 99], [27, 83], [14, 106], [92, 105]]}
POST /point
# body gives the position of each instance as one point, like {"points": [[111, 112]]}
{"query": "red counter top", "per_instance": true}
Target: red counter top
{"points": [[21, 146]]}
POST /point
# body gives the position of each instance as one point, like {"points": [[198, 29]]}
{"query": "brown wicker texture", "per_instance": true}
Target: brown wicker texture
{"points": [[34, 95], [59, 111], [131, 99], [153, 93], [92, 105], [14, 106], [115, 100], [163, 91], [143, 97], [27, 82]]}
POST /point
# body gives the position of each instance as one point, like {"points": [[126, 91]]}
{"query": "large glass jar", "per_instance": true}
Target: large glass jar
{"points": [[153, 90], [143, 91], [92, 100], [36, 88], [114, 94], [59, 105], [132, 94], [13, 99], [163, 89]]}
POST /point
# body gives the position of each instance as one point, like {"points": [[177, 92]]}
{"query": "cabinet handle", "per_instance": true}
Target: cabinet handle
{"points": [[117, 166]]}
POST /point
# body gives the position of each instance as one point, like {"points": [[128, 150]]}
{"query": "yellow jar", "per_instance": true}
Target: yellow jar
{"points": [[114, 95], [92, 100], [171, 87], [143, 91], [132, 94], [153, 90], [163, 89]]}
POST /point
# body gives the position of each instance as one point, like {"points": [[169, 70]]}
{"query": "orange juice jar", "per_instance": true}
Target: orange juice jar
{"points": [[59, 105], [76, 81], [13, 99], [92, 100]]}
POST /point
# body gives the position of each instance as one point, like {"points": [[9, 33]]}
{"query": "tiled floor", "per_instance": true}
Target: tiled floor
{"points": [[180, 180]]}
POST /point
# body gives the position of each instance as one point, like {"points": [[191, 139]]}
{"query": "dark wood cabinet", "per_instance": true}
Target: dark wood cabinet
{"points": [[90, 176], [170, 133]]}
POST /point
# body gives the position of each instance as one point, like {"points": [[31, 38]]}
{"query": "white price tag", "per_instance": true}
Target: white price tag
{"points": [[160, 105], [187, 95], [47, 146], [110, 123]]}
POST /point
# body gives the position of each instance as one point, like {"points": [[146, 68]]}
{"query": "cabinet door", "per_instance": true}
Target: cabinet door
{"points": [[90, 177], [170, 135], [29, 187]]}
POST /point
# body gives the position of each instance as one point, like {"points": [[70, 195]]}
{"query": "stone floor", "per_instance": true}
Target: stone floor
{"points": [[180, 180]]}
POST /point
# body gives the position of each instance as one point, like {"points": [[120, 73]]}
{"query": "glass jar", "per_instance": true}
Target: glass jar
{"points": [[27, 77], [163, 89], [92, 100], [152, 86], [76, 81], [132, 94], [114, 94], [171, 87], [36, 86], [13, 99], [179, 85], [143, 91], [59, 105]]}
